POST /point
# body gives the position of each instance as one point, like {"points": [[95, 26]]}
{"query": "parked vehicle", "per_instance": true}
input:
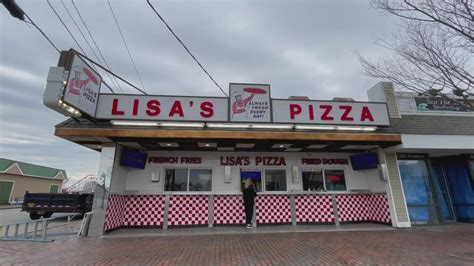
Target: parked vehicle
{"points": [[45, 204]]}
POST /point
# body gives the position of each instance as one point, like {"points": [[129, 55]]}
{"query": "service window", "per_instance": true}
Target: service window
{"points": [[176, 180], [188, 180], [335, 180], [312, 180], [275, 180], [200, 180], [255, 175]]}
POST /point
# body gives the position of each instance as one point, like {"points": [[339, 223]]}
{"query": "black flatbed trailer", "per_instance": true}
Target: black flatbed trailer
{"points": [[45, 204]]}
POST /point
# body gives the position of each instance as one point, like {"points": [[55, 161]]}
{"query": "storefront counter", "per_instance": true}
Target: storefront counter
{"points": [[168, 211]]}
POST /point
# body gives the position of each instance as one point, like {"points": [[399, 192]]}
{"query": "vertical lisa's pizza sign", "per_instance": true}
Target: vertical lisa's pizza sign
{"points": [[82, 87], [249, 102], [73, 86]]}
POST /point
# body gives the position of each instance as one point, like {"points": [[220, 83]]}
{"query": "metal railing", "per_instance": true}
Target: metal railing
{"points": [[19, 231], [41, 224]]}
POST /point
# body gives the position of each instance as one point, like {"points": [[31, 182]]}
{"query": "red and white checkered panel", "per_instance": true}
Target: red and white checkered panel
{"points": [[273, 209], [353, 207], [229, 210], [188, 210], [379, 210], [144, 210], [314, 209], [114, 214]]}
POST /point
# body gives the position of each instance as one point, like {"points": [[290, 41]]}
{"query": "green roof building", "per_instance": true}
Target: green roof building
{"points": [[18, 177]]}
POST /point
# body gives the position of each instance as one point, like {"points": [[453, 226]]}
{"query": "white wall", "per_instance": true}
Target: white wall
{"points": [[373, 181], [138, 181], [461, 142], [119, 173]]}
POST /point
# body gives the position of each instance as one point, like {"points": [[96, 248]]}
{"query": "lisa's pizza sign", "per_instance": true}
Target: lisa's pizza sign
{"points": [[249, 103], [82, 87], [73, 89]]}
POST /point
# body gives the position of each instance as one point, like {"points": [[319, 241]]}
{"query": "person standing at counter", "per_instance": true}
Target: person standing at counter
{"points": [[249, 192]]}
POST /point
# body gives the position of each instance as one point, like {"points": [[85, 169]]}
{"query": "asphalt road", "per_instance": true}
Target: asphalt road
{"points": [[8, 216]]}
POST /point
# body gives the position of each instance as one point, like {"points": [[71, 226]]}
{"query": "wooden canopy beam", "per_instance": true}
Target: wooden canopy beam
{"points": [[221, 134]]}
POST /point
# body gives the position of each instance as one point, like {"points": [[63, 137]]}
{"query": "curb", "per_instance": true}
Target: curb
{"points": [[9, 207]]}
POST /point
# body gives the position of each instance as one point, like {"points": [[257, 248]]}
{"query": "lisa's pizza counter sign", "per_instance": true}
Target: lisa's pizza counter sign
{"points": [[249, 103]]}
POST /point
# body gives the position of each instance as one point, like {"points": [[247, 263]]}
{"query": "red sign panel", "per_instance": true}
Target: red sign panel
{"points": [[167, 108]]}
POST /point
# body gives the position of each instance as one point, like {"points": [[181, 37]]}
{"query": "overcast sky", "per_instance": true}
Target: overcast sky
{"points": [[299, 47]]}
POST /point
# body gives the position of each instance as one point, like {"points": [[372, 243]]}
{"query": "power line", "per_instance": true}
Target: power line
{"points": [[18, 13], [87, 42], [110, 71], [95, 43], [42, 32], [125, 43], [74, 21], [80, 54], [64, 24], [186, 48], [77, 27], [49, 40], [112, 79], [72, 36], [107, 85]]}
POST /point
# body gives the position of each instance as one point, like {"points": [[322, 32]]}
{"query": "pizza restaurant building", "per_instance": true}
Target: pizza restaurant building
{"points": [[179, 161], [193, 177]]}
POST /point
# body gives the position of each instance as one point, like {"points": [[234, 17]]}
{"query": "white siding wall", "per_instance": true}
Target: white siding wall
{"points": [[119, 173], [139, 181]]}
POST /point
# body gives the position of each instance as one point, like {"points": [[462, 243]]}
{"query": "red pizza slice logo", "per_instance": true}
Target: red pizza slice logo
{"points": [[239, 106], [91, 76], [255, 91], [77, 83]]}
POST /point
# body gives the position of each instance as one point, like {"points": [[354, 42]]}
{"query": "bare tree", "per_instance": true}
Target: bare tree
{"points": [[432, 51]]}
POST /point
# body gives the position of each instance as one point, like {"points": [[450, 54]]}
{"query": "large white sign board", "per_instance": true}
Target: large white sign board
{"points": [[82, 88], [249, 103], [165, 108], [331, 113]]}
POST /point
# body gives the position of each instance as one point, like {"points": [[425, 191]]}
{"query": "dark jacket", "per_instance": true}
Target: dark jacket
{"points": [[249, 195]]}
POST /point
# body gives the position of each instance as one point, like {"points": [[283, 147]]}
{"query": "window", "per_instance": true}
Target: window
{"points": [[53, 188], [200, 180], [312, 180], [418, 191], [275, 180], [176, 180], [471, 168], [331, 180], [188, 180], [335, 180], [255, 175]]}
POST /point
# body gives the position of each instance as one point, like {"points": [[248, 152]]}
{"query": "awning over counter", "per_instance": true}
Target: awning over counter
{"points": [[95, 134]]}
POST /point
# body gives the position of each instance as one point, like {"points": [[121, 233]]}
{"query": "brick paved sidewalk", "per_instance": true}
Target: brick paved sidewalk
{"points": [[452, 244]]}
